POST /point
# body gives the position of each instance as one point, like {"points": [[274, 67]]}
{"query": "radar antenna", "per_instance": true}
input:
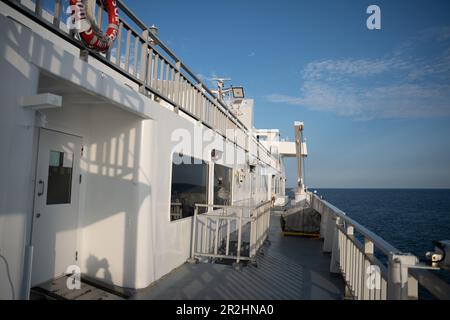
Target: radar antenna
{"points": [[220, 92]]}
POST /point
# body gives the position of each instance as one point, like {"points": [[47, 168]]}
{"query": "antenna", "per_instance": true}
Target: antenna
{"points": [[220, 80], [230, 95], [220, 90]]}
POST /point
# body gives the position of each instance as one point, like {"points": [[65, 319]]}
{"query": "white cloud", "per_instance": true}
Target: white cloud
{"points": [[412, 81], [347, 67]]}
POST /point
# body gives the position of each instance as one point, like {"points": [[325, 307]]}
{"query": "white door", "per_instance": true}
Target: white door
{"points": [[55, 220]]}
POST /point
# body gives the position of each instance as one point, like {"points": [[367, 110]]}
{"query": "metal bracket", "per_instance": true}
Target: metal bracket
{"points": [[423, 266]]}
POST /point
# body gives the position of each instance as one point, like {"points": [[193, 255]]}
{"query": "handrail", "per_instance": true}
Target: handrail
{"points": [[201, 205], [209, 227], [435, 285], [352, 259], [142, 57], [379, 242], [161, 44]]}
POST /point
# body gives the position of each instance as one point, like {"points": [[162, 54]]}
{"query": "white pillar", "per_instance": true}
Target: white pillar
{"points": [[335, 253], [329, 231], [398, 276]]}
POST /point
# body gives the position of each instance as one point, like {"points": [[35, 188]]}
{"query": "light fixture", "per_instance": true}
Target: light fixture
{"points": [[153, 30], [238, 92], [216, 154]]}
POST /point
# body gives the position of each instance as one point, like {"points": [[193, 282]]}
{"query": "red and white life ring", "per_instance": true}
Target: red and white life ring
{"points": [[85, 24]]}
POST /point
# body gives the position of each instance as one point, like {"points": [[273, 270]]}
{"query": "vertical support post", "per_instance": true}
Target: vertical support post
{"points": [[413, 288], [119, 45], [211, 186], [300, 190], [165, 85], [144, 56], [257, 235], [160, 82], [28, 266], [38, 8], [194, 236], [335, 253], [216, 236], [149, 67], [57, 15], [127, 51], [329, 231], [205, 248], [239, 237], [323, 220], [100, 13], [369, 249], [171, 94], [136, 56], [398, 277], [348, 260], [227, 248], [253, 233]]}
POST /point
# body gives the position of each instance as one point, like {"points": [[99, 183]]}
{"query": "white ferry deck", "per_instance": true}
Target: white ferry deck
{"points": [[106, 123], [288, 268]]}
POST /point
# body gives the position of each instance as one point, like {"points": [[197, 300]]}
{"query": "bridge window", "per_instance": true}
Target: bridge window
{"points": [[189, 186]]}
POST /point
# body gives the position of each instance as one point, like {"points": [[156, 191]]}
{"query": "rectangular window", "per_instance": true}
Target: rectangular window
{"points": [[189, 186], [59, 188], [223, 177]]}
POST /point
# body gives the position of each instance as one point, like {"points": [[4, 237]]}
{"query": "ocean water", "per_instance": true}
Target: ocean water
{"points": [[409, 219]]}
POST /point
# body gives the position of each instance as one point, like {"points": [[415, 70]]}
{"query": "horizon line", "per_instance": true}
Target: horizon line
{"points": [[377, 188]]}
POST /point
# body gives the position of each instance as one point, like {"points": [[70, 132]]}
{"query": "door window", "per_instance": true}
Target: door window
{"points": [[60, 169]]}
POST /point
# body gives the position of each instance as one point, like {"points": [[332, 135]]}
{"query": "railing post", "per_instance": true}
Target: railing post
{"points": [[119, 45], [38, 8], [253, 233], [323, 219], [369, 249], [194, 234], [329, 230], [348, 261], [413, 288], [239, 237], [227, 245], [205, 244], [144, 55], [335, 253], [57, 14], [177, 95], [398, 276], [267, 225]]}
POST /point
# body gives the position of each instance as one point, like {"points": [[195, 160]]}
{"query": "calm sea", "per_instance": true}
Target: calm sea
{"points": [[409, 219]]}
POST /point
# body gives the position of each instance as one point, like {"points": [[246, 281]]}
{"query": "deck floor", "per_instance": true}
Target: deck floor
{"points": [[291, 268]]}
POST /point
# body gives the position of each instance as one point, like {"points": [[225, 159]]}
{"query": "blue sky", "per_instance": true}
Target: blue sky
{"points": [[376, 103]]}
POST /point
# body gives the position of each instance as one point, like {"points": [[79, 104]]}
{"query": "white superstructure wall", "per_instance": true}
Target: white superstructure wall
{"points": [[125, 234]]}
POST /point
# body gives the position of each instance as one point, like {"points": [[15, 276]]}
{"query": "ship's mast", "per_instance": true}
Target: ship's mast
{"points": [[220, 92], [300, 192]]}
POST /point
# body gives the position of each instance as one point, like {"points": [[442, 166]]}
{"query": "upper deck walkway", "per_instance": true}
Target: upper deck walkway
{"points": [[289, 268]]}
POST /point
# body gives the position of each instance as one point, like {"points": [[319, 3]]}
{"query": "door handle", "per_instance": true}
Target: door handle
{"points": [[42, 184]]}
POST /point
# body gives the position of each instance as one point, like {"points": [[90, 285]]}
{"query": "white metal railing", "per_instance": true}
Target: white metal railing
{"points": [[176, 211], [365, 275], [229, 232], [142, 57]]}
